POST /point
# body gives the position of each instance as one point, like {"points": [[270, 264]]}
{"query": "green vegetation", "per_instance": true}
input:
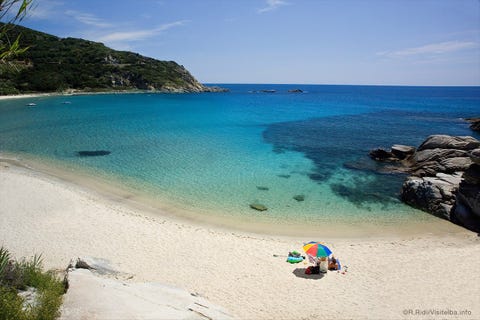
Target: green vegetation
{"points": [[10, 48], [17, 276], [57, 64]]}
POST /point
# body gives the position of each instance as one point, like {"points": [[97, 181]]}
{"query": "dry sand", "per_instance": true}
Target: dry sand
{"points": [[389, 277]]}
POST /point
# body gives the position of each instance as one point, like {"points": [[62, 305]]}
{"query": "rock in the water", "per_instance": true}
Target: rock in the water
{"points": [[262, 188], [257, 206], [299, 197], [295, 90], [401, 151], [286, 176], [94, 153], [474, 123], [449, 142]]}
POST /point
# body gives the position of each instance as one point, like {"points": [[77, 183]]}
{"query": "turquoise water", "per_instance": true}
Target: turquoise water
{"points": [[215, 153]]}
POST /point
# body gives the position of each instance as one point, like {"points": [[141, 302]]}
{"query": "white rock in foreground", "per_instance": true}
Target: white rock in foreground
{"points": [[91, 296]]}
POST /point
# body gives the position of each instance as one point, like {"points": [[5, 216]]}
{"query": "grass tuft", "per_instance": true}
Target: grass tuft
{"points": [[20, 275]]}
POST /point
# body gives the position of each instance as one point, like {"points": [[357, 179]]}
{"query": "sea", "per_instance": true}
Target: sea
{"points": [[302, 155]]}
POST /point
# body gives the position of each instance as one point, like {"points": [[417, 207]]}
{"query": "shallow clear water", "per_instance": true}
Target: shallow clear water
{"points": [[217, 153]]}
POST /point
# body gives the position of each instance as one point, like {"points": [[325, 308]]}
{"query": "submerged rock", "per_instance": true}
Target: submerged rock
{"points": [[299, 197], [286, 176], [94, 153], [295, 90], [259, 207], [263, 188]]}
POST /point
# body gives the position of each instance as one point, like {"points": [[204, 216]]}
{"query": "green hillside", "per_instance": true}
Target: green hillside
{"points": [[59, 64]]}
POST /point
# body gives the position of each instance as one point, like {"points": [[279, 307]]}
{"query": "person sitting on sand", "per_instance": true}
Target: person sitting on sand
{"points": [[323, 264], [332, 264]]}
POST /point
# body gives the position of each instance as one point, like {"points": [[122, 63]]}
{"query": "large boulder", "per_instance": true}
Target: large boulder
{"points": [[449, 142], [432, 194]]}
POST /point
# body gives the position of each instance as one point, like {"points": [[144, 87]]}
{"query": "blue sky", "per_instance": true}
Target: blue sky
{"points": [[409, 42]]}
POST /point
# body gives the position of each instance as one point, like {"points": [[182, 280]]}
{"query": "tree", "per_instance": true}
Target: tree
{"points": [[8, 48]]}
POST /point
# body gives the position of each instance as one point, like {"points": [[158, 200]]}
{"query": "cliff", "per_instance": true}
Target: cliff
{"points": [[59, 64]]}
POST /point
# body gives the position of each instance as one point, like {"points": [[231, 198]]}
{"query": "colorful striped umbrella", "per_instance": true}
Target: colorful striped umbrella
{"points": [[316, 249]]}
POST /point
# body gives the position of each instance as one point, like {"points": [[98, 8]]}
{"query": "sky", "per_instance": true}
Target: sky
{"points": [[378, 42]]}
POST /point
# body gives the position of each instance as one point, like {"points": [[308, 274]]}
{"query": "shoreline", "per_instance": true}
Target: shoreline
{"points": [[243, 272], [71, 93], [74, 92], [119, 192]]}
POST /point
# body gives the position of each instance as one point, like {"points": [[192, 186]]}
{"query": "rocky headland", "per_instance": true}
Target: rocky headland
{"points": [[444, 176], [53, 64]]}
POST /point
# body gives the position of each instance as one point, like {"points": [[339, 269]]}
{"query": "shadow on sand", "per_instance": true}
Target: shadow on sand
{"points": [[300, 272]]}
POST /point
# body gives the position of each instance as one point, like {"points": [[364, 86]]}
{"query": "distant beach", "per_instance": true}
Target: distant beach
{"points": [[67, 93]]}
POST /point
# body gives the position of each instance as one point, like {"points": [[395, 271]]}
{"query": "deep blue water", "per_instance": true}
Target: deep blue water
{"points": [[211, 152]]}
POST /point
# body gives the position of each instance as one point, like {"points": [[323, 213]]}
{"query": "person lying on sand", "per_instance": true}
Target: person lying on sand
{"points": [[332, 264]]}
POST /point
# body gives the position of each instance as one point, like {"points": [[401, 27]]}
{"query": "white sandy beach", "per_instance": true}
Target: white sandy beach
{"points": [[389, 277]]}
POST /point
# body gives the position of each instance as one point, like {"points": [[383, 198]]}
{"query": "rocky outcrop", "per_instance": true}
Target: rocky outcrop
{"points": [[444, 177], [112, 295]]}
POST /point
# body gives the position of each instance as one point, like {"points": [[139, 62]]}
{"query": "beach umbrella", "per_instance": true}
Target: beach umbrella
{"points": [[316, 249]]}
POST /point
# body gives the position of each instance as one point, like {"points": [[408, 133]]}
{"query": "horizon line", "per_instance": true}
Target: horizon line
{"points": [[338, 84]]}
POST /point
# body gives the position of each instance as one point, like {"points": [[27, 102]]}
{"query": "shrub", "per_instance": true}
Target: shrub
{"points": [[20, 275]]}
